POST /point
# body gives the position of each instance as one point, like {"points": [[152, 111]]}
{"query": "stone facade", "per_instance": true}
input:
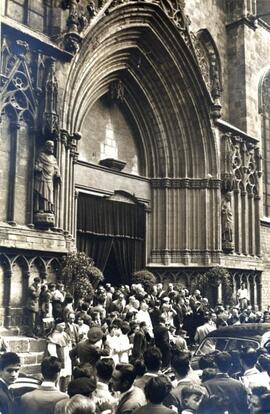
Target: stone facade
{"points": [[158, 101]]}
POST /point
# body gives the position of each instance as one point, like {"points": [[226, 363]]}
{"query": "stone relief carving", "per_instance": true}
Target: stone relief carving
{"points": [[264, 98], [242, 164], [46, 172], [78, 19], [117, 91]]}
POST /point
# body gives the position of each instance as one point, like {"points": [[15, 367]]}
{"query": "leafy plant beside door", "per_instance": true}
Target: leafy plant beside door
{"points": [[80, 276], [212, 279]]}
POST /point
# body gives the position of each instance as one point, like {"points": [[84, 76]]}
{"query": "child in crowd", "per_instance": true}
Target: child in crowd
{"points": [[191, 397]]}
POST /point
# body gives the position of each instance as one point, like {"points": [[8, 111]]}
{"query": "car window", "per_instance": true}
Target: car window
{"points": [[240, 344], [225, 344], [212, 344]]}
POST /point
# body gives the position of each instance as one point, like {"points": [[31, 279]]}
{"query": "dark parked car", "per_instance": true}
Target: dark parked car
{"points": [[229, 338]]}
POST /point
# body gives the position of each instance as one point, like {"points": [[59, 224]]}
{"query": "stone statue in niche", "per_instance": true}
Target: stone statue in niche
{"points": [[227, 223], [46, 174]]}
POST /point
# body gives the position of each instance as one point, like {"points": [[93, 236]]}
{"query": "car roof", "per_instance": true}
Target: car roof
{"points": [[245, 330]]}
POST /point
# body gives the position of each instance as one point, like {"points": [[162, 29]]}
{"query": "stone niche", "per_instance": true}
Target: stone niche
{"points": [[109, 134]]}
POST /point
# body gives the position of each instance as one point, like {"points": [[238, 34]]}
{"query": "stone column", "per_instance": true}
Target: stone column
{"points": [[257, 225], [14, 127], [62, 166], [7, 290], [252, 285], [244, 222], [251, 217]]}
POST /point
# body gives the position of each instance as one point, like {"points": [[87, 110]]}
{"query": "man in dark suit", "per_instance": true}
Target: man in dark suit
{"points": [[162, 341], [32, 307], [91, 349], [231, 391], [131, 397], [9, 372], [72, 329], [44, 399], [156, 391]]}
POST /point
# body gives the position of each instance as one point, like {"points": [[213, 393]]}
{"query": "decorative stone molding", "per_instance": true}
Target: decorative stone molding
{"points": [[194, 183], [242, 164], [264, 93], [18, 95], [50, 116], [210, 65]]}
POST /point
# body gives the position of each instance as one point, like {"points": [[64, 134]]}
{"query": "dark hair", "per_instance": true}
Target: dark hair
{"points": [[84, 306], [223, 361], [125, 328], [83, 370], [139, 367], [105, 368], [9, 358], [208, 373], [162, 319], [152, 359], [157, 389], [128, 373], [207, 361], [213, 404], [258, 391], [69, 299], [83, 386], [180, 364], [117, 323], [37, 279], [249, 357], [50, 367], [264, 361]]}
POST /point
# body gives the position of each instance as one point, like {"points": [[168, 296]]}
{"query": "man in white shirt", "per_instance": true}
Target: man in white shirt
{"points": [[252, 376], [242, 295], [103, 396]]}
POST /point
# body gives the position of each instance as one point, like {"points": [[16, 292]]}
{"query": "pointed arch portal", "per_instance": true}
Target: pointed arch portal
{"points": [[167, 102]]}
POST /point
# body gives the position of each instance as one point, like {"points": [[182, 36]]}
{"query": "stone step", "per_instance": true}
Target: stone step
{"points": [[23, 344], [30, 351], [31, 362], [9, 332]]}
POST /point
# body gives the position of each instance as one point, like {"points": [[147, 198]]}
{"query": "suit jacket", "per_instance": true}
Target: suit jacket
{"points": [[161, 335], [139, 344], [6, 399], [74, 336], [87, 353], [32, 298], [41, 401], [154, 409], [130, 401], [202, 331], [231, 390]]}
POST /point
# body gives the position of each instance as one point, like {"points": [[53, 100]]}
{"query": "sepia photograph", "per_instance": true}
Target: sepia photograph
{"points": [[135, 207]]}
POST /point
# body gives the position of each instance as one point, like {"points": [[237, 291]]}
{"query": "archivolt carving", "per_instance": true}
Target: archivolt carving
{"points": [[264, 93], [209, 62]]}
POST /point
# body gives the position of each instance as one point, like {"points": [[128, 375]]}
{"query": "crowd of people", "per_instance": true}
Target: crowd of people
{"points": [[128, 350]]}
